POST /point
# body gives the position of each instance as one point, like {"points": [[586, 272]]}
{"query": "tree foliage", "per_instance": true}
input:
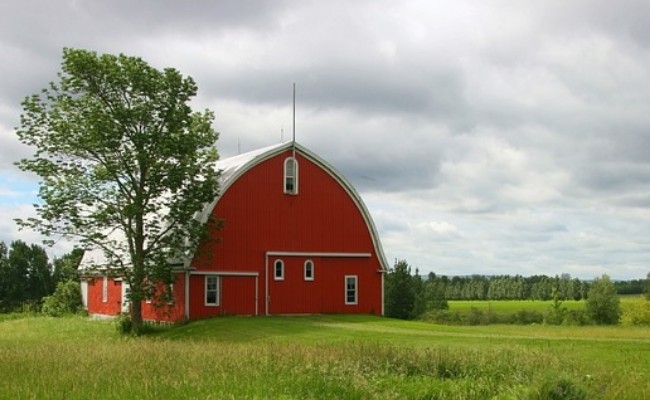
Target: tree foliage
{"points": [[67, 267], [409, 296], [400, 293], [603, 304], [27, 276], [66, 299], [124, 162]]}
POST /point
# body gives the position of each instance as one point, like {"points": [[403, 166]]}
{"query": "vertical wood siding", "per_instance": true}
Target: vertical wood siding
{"points": [[113, 305], [259, 217]]}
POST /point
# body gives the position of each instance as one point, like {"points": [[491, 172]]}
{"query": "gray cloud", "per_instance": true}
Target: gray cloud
{"points": [[491, 137]]}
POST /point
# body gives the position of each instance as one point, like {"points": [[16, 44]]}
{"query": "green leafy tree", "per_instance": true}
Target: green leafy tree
{"points": [[647, 287], [400, 292], [124, 163], [603, 303], [433, 294], [66, 267], [556, 313], [4, 278], [25, 275]]}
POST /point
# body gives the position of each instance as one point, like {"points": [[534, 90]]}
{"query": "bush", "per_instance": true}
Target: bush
{"points": [[576, 318], [442, 317], [124, 324], [603, 304], [556, 312], [65, 300], [562, 389], [636, 313], [527, 317]]}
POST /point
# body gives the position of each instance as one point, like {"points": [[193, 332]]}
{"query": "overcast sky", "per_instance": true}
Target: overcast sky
{"points": [[486, 137]]}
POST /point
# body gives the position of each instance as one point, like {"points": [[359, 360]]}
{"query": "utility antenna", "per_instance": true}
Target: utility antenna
{"points": [[238, 146], [282, 135], [294, 120]]}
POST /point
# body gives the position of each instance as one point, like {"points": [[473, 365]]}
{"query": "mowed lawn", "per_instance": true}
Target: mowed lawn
{"points": [[326, 357]]}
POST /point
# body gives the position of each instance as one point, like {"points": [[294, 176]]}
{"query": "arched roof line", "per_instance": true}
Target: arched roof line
{"points": [[233, 168]]}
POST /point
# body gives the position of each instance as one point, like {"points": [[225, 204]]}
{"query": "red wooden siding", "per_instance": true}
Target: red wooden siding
{"points": [[113, 305], [326, 293], [236, 297], [173, 312], [323, 218]]}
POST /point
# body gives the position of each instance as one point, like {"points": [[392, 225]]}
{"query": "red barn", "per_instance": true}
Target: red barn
{"points": [[296, 239]]}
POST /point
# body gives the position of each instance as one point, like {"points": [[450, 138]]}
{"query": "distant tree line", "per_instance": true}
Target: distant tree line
{"points": [[507, 287], [27, 276], [408, 295]]}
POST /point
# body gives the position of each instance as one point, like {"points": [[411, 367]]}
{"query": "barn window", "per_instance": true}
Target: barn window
{"points": [[309, 270], [211, 290], [290, 175], [351, 295], [278, 270], [105, 289]]}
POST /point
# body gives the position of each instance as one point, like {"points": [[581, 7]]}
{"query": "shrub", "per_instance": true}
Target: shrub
{"points": [[562, 389], [603, 304], [475, 317], [556, 312], [65, 300], [442, 317], [124, 324], [636, 313], [527, 317], [576, 317]]}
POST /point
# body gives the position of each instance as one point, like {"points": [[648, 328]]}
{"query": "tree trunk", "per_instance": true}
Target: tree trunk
{"points": [[136, 317]]}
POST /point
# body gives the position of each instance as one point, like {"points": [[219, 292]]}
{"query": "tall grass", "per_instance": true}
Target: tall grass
{"points": [[314, 357]]}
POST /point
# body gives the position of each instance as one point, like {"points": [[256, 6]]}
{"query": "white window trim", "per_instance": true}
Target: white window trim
{"points": [[356, 289], [308, 278], [295, 176], [275, 272], [105, 289], [205, 291]]}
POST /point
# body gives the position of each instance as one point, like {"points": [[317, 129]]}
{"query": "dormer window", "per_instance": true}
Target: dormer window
{"points": [[290, 176]]}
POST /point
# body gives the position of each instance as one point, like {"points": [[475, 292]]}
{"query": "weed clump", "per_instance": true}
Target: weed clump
{"points": [[562, 389]]}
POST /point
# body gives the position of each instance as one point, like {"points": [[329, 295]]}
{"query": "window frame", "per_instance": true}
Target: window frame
{"points": [[294, 177], [355, 289], [311, 276], [217, 284], [277, 277]]}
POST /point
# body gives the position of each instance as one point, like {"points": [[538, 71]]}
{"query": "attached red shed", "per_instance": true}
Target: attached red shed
{"points": [[296, 239]]}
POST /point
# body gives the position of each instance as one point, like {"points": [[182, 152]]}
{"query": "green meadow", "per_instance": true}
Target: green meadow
{"points": [[320, 357], [511, 306]]}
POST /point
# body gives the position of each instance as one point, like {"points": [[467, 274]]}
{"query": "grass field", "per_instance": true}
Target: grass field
{"points": [[346, 357], [511, 306]]}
